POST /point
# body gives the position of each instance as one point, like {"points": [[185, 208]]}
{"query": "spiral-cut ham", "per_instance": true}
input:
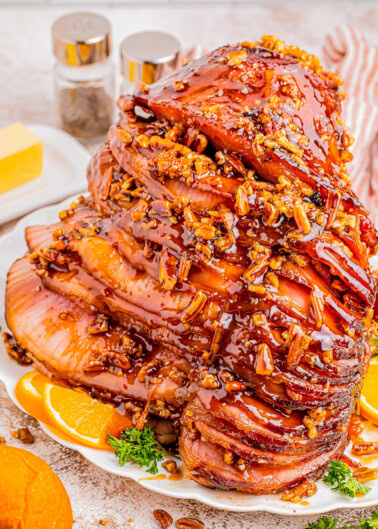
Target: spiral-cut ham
{"points": [[217, 276]]}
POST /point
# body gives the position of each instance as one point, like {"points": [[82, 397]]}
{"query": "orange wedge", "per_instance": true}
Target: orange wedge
{"points": [[369, 394], [29, 392], [80, 417]]}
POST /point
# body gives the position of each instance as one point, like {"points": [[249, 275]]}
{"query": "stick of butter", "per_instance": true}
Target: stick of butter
{"points": [[20, 156]]}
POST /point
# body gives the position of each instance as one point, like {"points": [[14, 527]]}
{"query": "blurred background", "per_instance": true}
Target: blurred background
{"points": [[26, 59]]}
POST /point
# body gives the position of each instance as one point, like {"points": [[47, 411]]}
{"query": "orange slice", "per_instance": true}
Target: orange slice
{"points": [[82, 418], [369, 394], [29, 391]]}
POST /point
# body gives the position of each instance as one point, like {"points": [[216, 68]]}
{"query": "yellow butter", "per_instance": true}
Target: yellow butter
{"points": [[21, 154]]}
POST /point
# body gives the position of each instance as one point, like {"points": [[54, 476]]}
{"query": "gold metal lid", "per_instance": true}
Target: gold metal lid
{"points": [[81, 38], [144, 55]]}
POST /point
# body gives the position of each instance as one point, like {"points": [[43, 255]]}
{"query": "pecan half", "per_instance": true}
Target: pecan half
{"points": [[163, 517], [189, 523], [195, 307]]}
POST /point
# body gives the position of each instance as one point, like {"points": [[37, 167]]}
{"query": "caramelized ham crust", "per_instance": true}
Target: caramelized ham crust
{"points": [[218, 274]]}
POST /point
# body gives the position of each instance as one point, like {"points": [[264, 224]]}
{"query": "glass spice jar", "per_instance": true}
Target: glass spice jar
{"points": [[84, 75], [147, 56]]}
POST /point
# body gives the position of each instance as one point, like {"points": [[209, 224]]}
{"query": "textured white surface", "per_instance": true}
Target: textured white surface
{"points": [[26, 95]]}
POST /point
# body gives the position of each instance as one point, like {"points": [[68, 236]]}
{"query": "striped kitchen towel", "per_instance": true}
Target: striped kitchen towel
{"points": [[347, 53]]}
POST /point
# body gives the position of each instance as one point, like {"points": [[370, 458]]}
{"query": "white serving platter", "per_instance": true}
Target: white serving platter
{"points": [[64, 169], [13, 246]]}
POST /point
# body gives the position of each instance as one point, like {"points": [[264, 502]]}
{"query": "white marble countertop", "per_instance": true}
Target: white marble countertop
{"points": [[26, 95]]}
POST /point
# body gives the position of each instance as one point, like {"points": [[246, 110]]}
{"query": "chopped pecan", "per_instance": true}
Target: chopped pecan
{"points": [[205, 231], [124, 136], [200, 143], [107, 361], [242, 204], [275, 262], [236, 58], [298, 343], [362, 448], [306, 488], [257, 268], [167, 270], [364, 474], [184, 268], [170, 466], [24, 435], [16, 351], [264, 360], [209, 381], [100, 325], [317, 306], [301, 218], [312, 419], [235, 386], [195, 307]]}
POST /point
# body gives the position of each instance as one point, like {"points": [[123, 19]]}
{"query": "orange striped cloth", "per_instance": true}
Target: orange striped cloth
{"points": [[347, 53]]}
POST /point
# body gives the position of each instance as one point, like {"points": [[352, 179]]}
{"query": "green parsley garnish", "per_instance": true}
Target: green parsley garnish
{"points": [[341, 476], [374, 341], [323, 523], [330, 523], [138, 446]]}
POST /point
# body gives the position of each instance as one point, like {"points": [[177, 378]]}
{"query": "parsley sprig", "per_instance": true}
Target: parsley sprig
{"points": [[374, 341], [138, 446], [329, 523], [323, 523], [341, 476]]}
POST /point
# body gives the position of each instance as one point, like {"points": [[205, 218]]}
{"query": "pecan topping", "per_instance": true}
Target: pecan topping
{"points": [[362, 448], [317, 306], [301, 218], [163, 517], [264, 360], [298, 343], [235, 386], [184, 268], [257, 268], [312, 419], [195, 307], [167, 270], [189, 523], [15, 351], [124, 136], [170, 466], [100, 325], [242, 204], [295, 495], [364, 474]]}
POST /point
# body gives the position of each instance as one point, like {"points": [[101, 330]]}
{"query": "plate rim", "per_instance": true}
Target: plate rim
{"points": [[261, 503], [60, 194]]}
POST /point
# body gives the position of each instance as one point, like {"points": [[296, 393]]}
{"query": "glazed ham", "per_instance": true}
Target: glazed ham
{"points": [[217, 276]]}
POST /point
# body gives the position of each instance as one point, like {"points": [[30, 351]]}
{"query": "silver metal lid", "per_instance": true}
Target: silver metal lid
{"points": [[81, 38], [145, 54]]}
